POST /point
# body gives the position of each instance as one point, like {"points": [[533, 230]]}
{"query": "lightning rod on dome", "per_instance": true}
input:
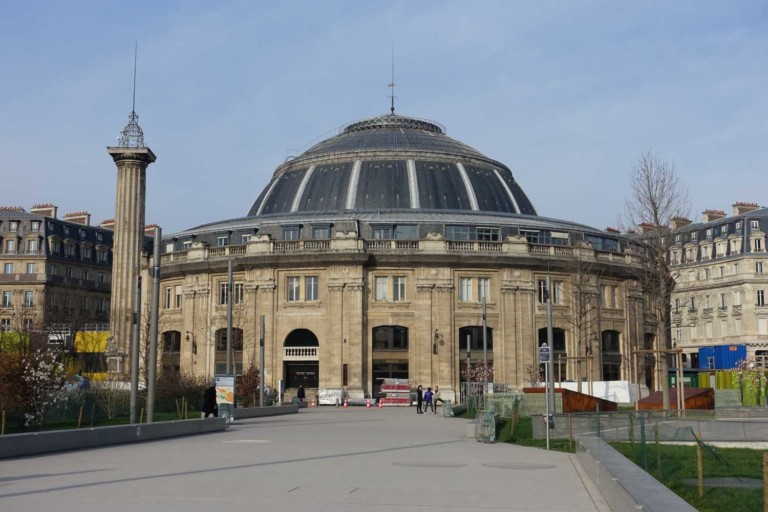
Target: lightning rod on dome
{"points": [[392, 84], [132, 135]]}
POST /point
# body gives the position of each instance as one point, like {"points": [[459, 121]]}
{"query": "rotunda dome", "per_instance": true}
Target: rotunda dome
{"points": [[392, 162]]}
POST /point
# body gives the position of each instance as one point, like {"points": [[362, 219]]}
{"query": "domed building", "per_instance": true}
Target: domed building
{"points": [[373, 255]]}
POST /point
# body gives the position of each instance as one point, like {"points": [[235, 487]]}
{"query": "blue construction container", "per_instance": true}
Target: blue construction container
{"points": [[721, 357]]}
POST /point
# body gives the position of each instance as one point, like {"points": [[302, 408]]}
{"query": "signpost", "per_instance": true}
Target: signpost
{"points": [[545, 356]]}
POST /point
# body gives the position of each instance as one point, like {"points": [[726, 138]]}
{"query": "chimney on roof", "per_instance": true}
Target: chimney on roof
{"points": [[12, 208], [647, 227], [678, 222], [149, 229], [612, 230], [45, 209], [107, 224], [82, 217], [710, 215], [740, 208]]}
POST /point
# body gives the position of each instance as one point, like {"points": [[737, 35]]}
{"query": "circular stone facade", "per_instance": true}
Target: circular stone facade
{"points": [[373, 255]]}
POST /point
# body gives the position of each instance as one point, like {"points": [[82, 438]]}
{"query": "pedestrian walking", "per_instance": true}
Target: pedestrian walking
{"points": [[419, 399], [428, 404], [300, 393], [209, 401]]}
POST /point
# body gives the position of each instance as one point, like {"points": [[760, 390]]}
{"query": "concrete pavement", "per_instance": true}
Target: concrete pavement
{"points": [[323, 459]]}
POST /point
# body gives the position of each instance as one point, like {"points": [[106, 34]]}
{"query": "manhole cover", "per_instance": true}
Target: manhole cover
{"points": [[430, 464], [512, 465]]}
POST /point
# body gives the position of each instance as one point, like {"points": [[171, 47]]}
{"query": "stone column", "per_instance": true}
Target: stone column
{"points": [[130, 202]]}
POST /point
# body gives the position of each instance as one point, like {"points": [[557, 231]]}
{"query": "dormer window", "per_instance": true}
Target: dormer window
{"points": [[693, 236], [13, 226], [35, 225], [291, 232]]}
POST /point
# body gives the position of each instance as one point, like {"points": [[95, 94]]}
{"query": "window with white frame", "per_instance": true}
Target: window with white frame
{"points": [[33, 246], [86, 253], [5, 324], [13, 226], [753, 224], [167, 298], [238, 295], [68, 272], [35, 225], [223, 294], [29, 298], [221, 241], [758, 244], [69, 250], [7, 299], [102, 256], [31, 268], [398, 288], [8, 268], [100, 306], [26, 324], [293, 284], [177, 298], [310, 288], [186, 245], [488, 234], [759, 267], [10, 247], [465, 289], [321, 232], [555, 292], [381, 285], [291, 233], [244, 239], [484, 289], [760, 298]]}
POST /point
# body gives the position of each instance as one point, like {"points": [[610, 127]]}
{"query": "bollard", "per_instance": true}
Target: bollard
{"points": [[700, 465], [80, 416], [345, 403], [381, 404], [368, 404], [2, 428]]}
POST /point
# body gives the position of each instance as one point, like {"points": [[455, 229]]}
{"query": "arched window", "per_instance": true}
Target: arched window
{"points": [[301, 338], [611, 348], [171, 342], [390, 337], [475, 335], [221, 340]]}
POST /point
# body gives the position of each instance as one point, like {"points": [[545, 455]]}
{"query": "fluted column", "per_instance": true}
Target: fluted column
{"points": [[128, 239]]}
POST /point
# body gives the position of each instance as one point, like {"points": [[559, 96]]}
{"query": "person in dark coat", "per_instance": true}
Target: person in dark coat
{"points": [[209, 401], [419, 399], [300, 393]]}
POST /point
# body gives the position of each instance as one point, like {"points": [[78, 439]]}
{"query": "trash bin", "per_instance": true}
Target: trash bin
{"points": [[485, 426], [447, 409]]}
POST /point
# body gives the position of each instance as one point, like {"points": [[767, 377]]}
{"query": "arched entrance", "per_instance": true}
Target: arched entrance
{"points": [[300, 359]]}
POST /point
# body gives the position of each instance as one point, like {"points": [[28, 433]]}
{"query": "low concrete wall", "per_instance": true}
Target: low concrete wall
{"points": [[623, 484], [21, 445], [260, 412]]}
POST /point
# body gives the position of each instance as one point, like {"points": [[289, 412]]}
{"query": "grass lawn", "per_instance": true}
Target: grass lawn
{"points": [[679, 463], [522, 435]]}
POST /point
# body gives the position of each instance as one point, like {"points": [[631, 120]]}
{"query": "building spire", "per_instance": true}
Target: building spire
{"points": [[132, 135], [392, 84]]}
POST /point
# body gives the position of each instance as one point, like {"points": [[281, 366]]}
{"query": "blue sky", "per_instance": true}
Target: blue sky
{"points": [[567, 94]]}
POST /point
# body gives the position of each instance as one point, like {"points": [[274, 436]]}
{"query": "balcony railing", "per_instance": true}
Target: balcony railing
{"points": [[300, 354]]}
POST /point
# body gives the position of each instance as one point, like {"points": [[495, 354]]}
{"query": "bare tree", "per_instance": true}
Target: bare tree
{"points": [[656, 197]]}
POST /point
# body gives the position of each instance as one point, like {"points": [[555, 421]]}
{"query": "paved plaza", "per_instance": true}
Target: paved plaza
{"points": [[323, 459]]}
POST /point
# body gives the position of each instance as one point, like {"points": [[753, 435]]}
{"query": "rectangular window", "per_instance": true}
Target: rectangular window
{"points": [[706, 273], [69, 250], [32, 246], [29, 299], [167, 298], [102, 256], [35, 225], [457, 232], [693, 304], [52, 270], [381, 288], [759, 267], [406, 232], [68, 272], [7, 299], [291, 233], [321, 232], [709, 233], [556, 291], [532, 237], [244, 239], [100, 306], [294, 289], [239, 293], [694, 236], [310, 288], [677, 305], [221, 241], [723, 302], [223, 294], [13, 226], [543, 292], [761, 297], [86, 253], [84, 304], [398, 290], [707, 302], [753, 224], [484, 289], [186, 245], [26, 324], [10, 247], [382, 233], [758, 245], [177, 296], [101, 277], [465, 290], [8, 268], [488, 234], [31, 268]]}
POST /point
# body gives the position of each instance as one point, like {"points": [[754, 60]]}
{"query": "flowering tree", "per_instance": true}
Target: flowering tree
{"points": [[476, 372], [750, 379], [42, 374]]}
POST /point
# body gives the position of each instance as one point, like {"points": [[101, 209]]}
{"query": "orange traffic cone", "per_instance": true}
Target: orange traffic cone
{"points": [[381, 404], [312, 404], [345, 403], [368, 404]]}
